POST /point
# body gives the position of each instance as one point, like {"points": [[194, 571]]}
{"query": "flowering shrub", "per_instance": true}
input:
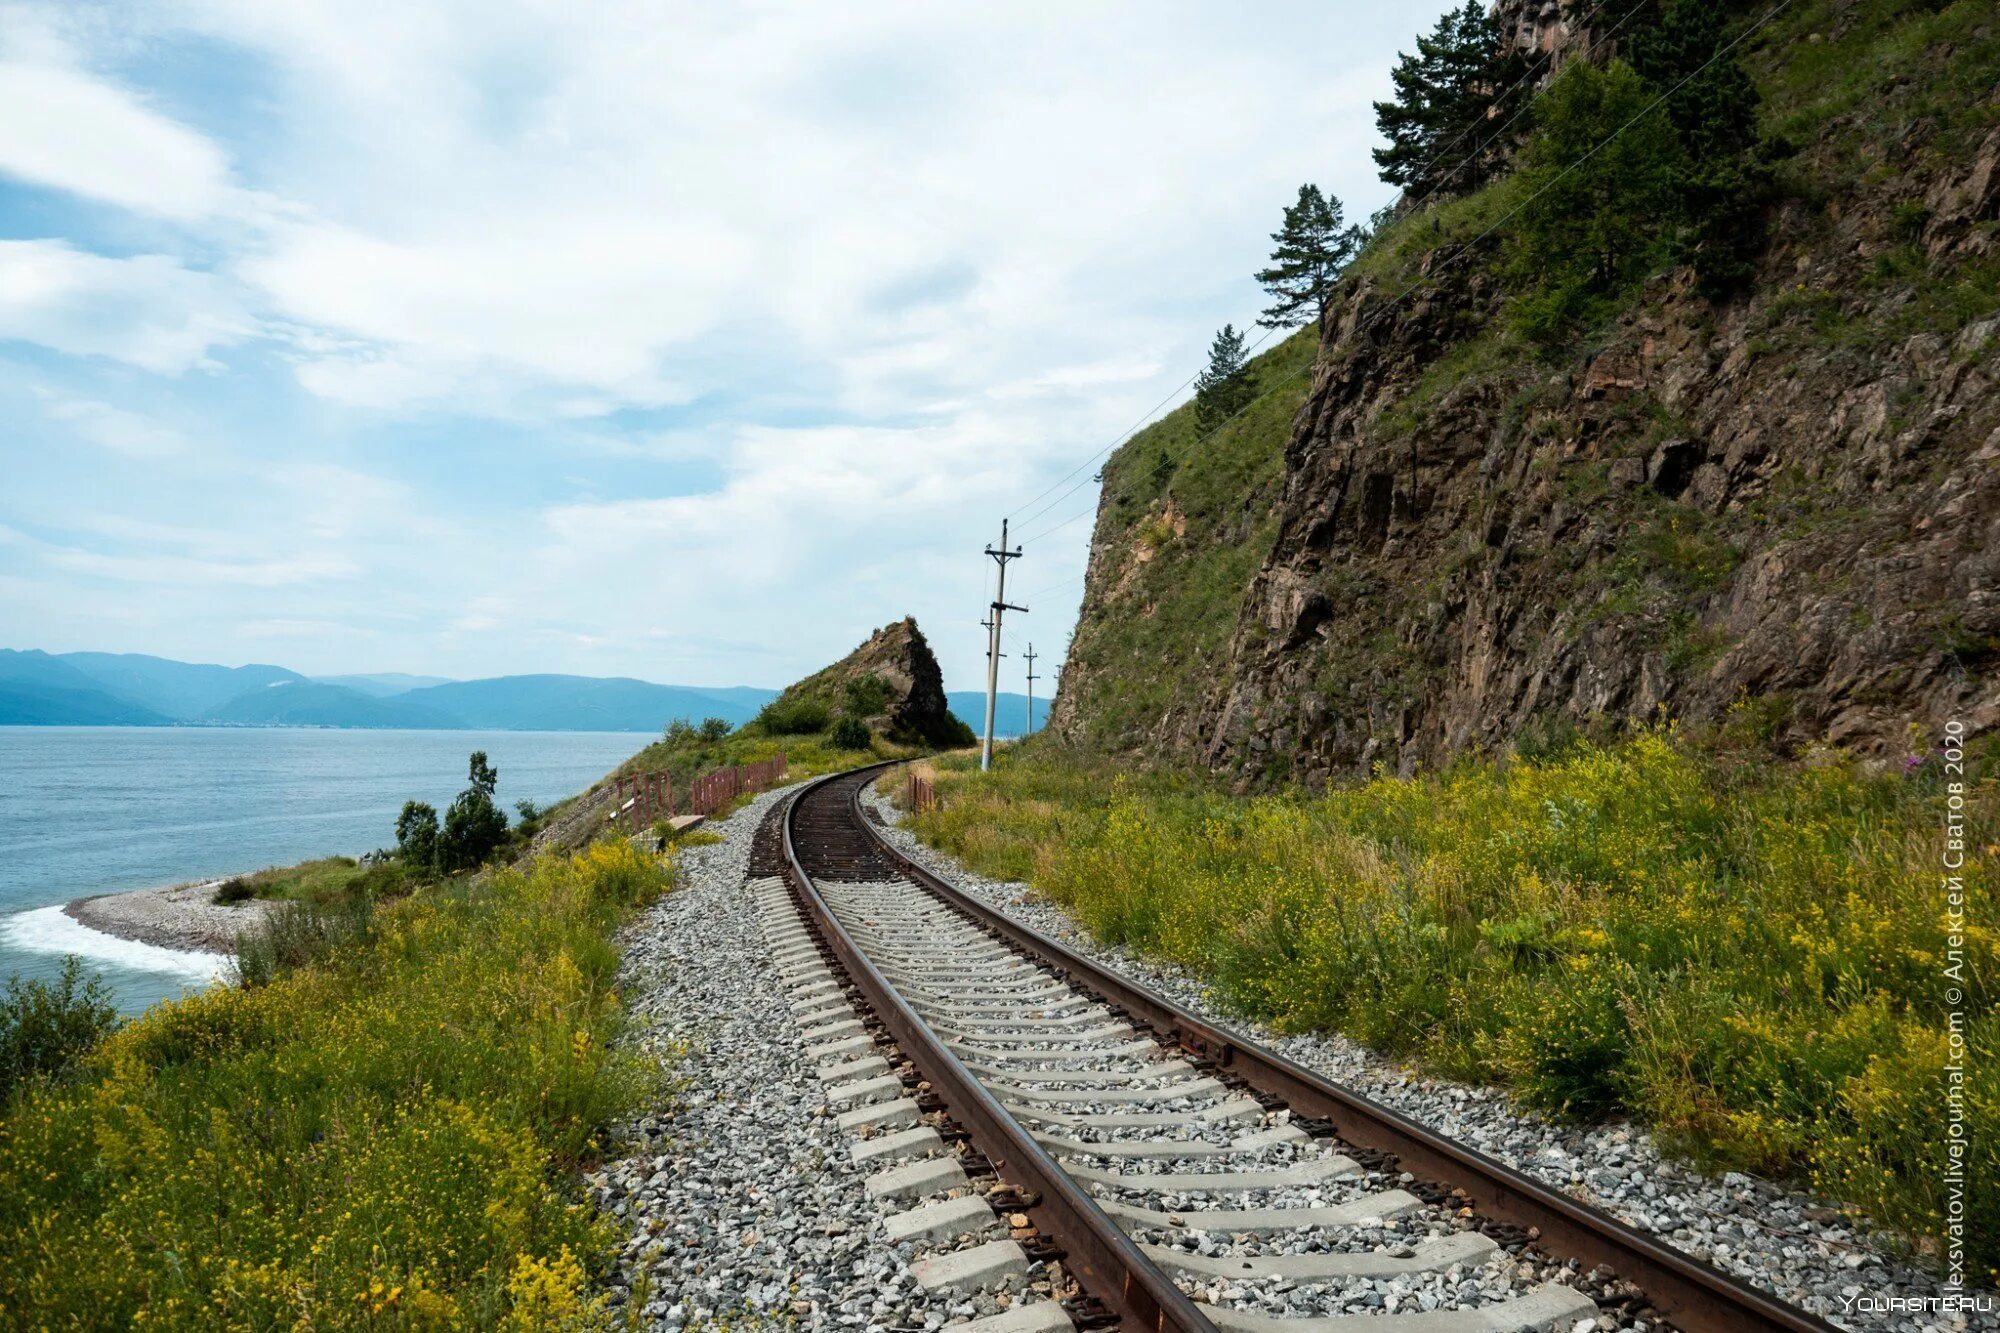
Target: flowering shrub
{"points": [[376, 1137], [1747, 957]]}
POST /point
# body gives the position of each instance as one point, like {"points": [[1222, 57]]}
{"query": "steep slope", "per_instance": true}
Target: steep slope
{"points": [[1779, 512], [891, 682], [189, 691], [1183, 525]]}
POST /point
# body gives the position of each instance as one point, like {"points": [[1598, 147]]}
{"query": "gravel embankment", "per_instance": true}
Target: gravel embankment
{"points": [[1785, 1241], [743, 1207]]}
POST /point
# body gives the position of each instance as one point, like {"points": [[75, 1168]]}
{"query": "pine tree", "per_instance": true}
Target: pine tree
{"points": [[1312, 248], [1224, 389], [1713, 106], [1449, 125]]}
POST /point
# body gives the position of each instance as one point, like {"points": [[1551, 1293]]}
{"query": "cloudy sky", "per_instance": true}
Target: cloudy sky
{"points": [[683, 341]]}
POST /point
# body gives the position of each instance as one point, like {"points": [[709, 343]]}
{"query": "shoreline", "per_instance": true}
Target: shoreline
{"points": [[179, 916]]}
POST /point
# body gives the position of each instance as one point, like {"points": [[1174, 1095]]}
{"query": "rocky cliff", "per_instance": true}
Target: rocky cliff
{"points": [[1779, 512], [891, 682]]}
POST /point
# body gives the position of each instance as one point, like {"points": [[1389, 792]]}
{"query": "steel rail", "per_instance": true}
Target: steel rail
{"points": [[1697, 1297], [1103, 1258]]}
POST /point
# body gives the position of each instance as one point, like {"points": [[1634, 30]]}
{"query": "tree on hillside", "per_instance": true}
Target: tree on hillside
{"points": [[474, 827], [1713, 106], [1599, 176], [417, 835], [1224, 389], [1313, 247], [1448, 123]]}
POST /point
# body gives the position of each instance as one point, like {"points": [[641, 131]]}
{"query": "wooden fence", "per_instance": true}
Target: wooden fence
{"points": [[918, 793], [641, 800]]}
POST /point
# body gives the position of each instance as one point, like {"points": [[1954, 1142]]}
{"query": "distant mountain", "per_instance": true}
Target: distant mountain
{"points": [[581, 703], [307, 703], [37, 668], [188, 691], [382, 684], [1010, 711], [134, 689], [35, 706], [37, 690], [754, 696]]}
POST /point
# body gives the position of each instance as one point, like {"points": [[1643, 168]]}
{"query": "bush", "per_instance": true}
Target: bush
{"points": [[715, 728], [45, 1029], [851, 733], [297, 934], [868, 696], [793, 717], [234, 890], [384, 1137]]}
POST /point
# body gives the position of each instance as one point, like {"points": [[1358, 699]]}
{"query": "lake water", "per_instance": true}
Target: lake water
{"points": [[87, 810]]}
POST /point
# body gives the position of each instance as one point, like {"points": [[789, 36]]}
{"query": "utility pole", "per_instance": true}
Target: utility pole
{"points": [[1000, 557], [1031, 686]]}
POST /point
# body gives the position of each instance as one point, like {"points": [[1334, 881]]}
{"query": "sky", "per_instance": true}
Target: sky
{"points": [[681, 341]]}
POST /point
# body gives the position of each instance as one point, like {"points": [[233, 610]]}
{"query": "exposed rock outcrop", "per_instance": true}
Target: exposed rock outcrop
{"points": [[1779, 513], [893, 683]]}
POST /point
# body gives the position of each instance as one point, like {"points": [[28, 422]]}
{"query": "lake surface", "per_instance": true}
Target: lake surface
{"points": [[86, 810]]}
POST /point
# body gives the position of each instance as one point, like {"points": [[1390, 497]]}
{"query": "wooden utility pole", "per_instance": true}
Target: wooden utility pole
{"points": [[1030, 655], [1000, 557]]}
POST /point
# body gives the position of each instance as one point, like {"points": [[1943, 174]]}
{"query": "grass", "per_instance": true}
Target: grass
{"points": [[806, 756], [1744, 955], [379, 1136], [327, 880]]}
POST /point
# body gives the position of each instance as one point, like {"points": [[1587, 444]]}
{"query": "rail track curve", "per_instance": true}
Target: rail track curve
{"points": [[1073, 1086]]}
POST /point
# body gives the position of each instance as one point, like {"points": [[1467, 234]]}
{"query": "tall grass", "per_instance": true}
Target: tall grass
{"points": [[374, 1136], [1748, 957]]}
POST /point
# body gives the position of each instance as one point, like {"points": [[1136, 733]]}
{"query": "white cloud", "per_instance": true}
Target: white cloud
{"points": [[113, 428], [521, 234], [148, 310], [61, 128]]}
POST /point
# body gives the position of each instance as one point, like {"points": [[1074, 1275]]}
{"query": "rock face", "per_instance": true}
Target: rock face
{"points": [[1779, 514], [891, 682]]}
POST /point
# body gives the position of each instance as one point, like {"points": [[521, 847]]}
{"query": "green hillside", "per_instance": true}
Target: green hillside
{"points": [[1186, 521]]}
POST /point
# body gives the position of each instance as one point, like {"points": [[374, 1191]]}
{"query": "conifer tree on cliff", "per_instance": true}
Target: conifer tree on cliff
{"points": [[1224, 389], [1448, 126], [1313, 247]]}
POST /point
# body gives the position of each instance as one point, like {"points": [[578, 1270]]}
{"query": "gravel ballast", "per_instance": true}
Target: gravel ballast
{"points": [[739, 1199], [1790, 1243]]}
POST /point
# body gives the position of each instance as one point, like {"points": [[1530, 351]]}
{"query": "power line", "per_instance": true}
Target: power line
{"points": [[1457, 254], [1130, 431]]}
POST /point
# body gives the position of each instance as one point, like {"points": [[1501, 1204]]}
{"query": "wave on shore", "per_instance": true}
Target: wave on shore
{"points": [[51, 930]]}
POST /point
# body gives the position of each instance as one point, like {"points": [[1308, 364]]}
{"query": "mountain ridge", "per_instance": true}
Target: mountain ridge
{"points": [[38, 688]]}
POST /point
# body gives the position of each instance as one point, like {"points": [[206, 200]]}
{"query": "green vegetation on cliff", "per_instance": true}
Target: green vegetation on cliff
{"points": [[1188, 519]]}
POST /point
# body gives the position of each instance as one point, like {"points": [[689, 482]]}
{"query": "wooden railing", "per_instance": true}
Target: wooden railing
{"points": [[641, 800], [918, 794]]}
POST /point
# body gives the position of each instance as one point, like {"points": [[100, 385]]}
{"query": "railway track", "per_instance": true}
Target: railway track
{"points": [[1033, 1118]]}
